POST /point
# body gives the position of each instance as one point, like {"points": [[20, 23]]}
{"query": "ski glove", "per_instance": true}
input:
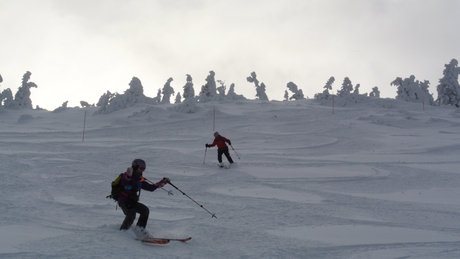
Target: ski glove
{"points": [[163, 182], [207, 145], [230, 143]]}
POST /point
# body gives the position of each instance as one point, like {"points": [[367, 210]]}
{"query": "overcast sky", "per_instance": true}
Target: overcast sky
{"points": [[79, 49]]}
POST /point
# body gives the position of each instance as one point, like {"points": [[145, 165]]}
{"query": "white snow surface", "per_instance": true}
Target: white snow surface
{"points": [[378, 179]]}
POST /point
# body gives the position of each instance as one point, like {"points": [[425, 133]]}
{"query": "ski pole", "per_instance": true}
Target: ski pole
{"points": [[204, 159], [212, 214], [170, 192], [235, 152]]}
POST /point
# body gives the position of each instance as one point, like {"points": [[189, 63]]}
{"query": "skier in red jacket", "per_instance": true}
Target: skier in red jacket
{"points": [[222, 148]]}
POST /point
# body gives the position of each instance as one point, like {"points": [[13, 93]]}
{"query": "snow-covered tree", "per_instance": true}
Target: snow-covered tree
{"points": [[112, 102], [261, 92], [22, 96], [325, 95], [1, 95], [347, 88], [208, 91], [428, 98], [260, 89], [189, 103], [157, 98], [286, 95], [375, 92], [221, 89], [211, 83], [84, 104], [231, 95], [7, 98], [298, 94], [104, 99], [135, 93], [62, 107], [189, 91], [448, 88], [412, 90], [356, 96], [329, 83], [167, 92], [178, 98], [346, 94], [356, 91]]}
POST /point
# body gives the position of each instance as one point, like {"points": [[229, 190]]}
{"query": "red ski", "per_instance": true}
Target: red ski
{"points": [[151, 240], [180, 239], [161, 241]]}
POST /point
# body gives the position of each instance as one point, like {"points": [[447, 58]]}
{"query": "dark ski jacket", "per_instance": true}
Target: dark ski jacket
{"points": [[220, 142], [131, 186]]}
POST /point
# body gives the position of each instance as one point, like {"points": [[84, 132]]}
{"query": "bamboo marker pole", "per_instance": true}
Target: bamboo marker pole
{"points": [[84, 128]]}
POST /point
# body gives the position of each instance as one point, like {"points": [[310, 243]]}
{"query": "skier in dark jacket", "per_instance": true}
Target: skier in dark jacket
{"points": [[132, 182], [222, 148]]}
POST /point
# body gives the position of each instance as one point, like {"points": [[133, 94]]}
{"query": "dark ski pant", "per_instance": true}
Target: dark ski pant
{"points": [[221, 152], [130, 209]]}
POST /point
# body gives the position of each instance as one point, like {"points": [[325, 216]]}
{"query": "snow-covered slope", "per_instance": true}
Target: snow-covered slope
{"points": [[372, 180]]}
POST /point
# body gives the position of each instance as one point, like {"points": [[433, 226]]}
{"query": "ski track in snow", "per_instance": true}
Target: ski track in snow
{"points": [[374, 180]]}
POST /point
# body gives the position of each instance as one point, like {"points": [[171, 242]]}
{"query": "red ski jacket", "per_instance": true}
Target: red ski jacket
{"points": [[220, 142]]}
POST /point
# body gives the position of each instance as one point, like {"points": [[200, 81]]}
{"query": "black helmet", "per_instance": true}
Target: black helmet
{"points": [[216, 134], [138, 163]]}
